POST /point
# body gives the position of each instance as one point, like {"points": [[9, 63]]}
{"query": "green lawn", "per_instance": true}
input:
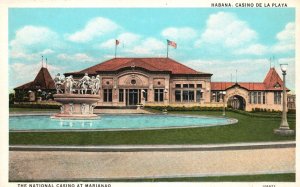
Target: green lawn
{"points": [[248, 129], [286, 177], [28, 110]]}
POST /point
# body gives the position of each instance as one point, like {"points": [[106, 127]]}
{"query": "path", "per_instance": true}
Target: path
{"points": [[79, 165]]}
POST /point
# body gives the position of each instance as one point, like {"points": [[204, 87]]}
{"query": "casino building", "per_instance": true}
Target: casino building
{"points": [[152, 81], [164, 81]]}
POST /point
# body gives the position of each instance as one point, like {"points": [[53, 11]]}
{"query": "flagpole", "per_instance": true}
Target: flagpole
{"points": [[115, 49], [167, 49], [42, 61]]}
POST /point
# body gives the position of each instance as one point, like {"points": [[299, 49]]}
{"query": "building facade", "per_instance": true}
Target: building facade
{"points": [[164, 81], [291, 101], [148, 81], [266, 95]]}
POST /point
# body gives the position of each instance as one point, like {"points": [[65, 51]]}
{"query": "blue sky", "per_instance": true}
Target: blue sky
{"points": [[217, 41]]}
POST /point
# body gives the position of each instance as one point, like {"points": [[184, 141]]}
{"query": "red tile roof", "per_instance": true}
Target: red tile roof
{"points": [[43, 80], [151, 64], [271, 79], [246, 85]]}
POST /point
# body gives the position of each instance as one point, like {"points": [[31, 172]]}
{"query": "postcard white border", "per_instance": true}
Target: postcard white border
{"points": [[4, 5]]}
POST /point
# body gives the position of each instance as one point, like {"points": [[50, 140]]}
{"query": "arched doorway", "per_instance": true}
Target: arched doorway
{"points": [[237, 102]]}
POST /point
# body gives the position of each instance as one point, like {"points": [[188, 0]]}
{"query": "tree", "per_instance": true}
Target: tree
{"points": [[11, 98]]}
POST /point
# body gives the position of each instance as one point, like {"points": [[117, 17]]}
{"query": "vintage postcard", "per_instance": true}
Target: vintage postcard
{"points": [[125, 93]]}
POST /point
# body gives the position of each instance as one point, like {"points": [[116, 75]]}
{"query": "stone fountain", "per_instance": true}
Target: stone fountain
{"points": [[76, 102]]}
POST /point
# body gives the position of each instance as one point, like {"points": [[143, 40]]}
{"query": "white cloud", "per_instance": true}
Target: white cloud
{"points": [[286, 39], [29, 40], [47, 52], [18, 68], [78, 57], [149, 46], [135, 45], [222, 69], [126, 39], [254, 49], [106, 57], [285, 43], [109, 44], [183, 33], [30, 35], [14, 54], [19, 54], [226, 29], [94, 28], [32, 38], [288, 34]]}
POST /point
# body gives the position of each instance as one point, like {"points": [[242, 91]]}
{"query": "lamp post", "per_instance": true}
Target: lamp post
{"points": [[165, 96], [166, 92], [201, 95], [143, 97], [284, 129]]}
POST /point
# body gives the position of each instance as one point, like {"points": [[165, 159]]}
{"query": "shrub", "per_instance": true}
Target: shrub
{"points": [[36, 105], [183, 108], [11, 98], [292, 111]]}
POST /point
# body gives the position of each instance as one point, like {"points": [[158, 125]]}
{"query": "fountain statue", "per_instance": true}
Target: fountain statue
{"points": [[58, 83], [76, 102]]}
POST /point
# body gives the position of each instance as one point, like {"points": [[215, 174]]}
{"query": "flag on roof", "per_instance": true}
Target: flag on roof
{"points": [[171, 43], [117, 42]]}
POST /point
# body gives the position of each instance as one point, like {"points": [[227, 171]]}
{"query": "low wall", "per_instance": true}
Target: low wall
{"points": [[188, 104]]}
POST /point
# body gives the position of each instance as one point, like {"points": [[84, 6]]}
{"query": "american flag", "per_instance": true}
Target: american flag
{"points": [[171, 43], [117, 42]]}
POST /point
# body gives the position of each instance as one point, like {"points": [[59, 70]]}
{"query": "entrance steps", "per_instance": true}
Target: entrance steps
{"points": [[120, 111]]}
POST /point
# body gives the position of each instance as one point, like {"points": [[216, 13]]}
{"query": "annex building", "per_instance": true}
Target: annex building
{"points": [[41, 88], [164, 81]]}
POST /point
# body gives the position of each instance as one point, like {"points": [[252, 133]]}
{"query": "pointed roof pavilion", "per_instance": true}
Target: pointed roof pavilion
{"points": [[272, 82], [43, 81]]}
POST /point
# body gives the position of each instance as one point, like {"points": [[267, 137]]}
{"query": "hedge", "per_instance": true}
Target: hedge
{"points": [[183, 108], [200, 108], [35, 105]]}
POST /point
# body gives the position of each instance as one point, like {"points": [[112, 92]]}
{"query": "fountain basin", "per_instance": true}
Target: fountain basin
{"points": [[76, 106], [116, 122], [76, 98]]}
